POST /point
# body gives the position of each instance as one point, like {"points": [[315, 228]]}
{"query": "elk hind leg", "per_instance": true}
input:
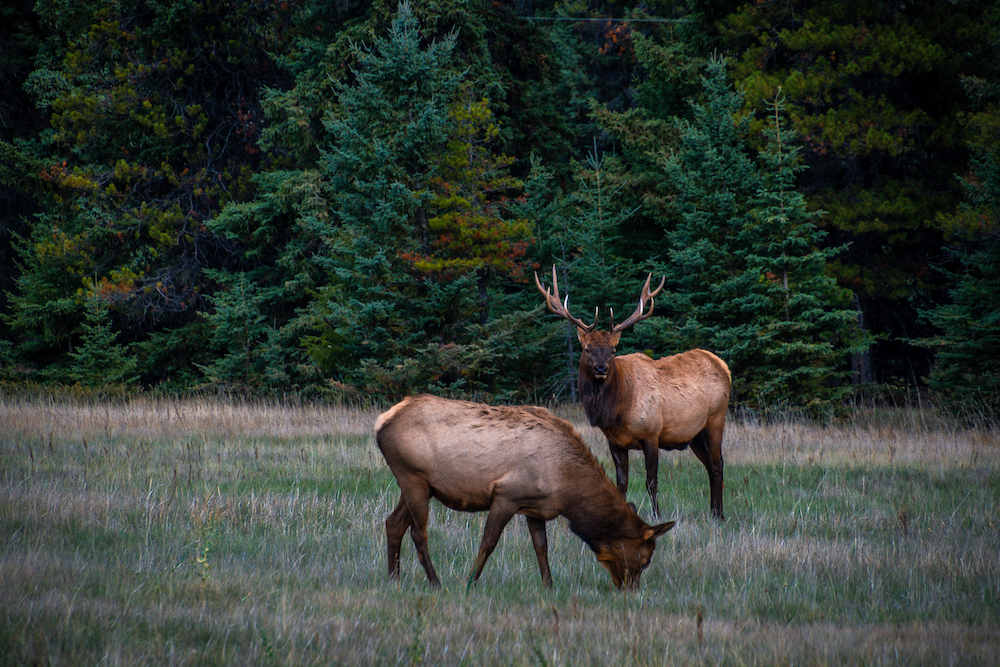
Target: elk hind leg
{"points": [[417, 497], [707, 446], [651, 451], [541, 543], [620, 457], [396, 526]]}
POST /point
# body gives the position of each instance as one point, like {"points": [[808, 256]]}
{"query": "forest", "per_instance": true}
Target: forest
{"points": [[349, 200]]}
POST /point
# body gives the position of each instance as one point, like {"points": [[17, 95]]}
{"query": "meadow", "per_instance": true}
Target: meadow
{"points": [[217, 532]]}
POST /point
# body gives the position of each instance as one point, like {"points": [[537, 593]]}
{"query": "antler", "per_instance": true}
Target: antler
{"points": [[560, 309], [639, 315]]}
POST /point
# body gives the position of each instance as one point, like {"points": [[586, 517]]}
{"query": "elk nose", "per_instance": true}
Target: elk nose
{"points": [[600, 369]]}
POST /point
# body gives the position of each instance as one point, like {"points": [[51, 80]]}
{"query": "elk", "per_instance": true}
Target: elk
{"points": [[505, 461], [638, 402]]}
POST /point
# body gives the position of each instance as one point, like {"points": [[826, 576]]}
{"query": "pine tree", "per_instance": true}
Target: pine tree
{"points": [[258, 358], [966, 369], [802, 324], [150, 127], [391, 123], [714, 180]]}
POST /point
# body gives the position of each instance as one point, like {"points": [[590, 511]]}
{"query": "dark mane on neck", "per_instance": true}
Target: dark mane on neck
{"points": [[605, 521], [602, 401]]}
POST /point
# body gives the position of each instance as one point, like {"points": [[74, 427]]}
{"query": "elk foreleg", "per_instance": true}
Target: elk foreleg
{"points": [[620, 457], [501, 512], [396, 526], [541, 543], [651, 450]]}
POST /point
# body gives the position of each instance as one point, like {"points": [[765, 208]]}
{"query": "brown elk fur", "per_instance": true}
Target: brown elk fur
{"points": [[667, 403], [505, 461], [651, 404]]}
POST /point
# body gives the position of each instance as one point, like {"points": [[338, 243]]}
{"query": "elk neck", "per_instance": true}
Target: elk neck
{"points": [[598, 514], [604, 401]]}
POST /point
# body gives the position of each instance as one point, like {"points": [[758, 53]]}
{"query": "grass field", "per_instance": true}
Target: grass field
{"points": [[212, 532]]}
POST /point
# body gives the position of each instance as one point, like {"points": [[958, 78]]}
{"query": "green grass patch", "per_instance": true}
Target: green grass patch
{"points": [[244, 534]]}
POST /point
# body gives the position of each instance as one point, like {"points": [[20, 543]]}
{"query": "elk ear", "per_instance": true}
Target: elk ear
{"points": [[654, 532], [614, 338]]}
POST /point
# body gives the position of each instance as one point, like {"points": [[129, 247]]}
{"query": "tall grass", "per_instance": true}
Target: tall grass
{"points": [[214, 532]]}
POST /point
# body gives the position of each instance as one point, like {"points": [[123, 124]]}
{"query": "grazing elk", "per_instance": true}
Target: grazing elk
{"points": [[650, 404], [507, 461]]}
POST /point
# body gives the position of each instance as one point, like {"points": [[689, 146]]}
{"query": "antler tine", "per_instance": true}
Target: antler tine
{"points": [[640, 313], [561, 309], [645, 289]]}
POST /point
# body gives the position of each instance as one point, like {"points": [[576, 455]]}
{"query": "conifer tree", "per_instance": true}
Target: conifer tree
{"points": [[714, 181], [99, 361], [469, 225], [874, 91], [966, 371], [580, 233], [747, 261], [258, 358], [383, 324], [390, 125]]}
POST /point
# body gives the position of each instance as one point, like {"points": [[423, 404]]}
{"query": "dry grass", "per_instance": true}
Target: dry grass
{"points": [[156, 419], [211, 532]]}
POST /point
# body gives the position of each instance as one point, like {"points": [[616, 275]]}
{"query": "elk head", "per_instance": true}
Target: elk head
{"points": [[597, 358], [627, 559]]}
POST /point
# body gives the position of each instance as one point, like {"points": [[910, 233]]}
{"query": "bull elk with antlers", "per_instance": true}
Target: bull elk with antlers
{"points": [[650, 404], [507, 461]]}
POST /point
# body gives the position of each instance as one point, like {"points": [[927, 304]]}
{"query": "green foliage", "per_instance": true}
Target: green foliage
{"points": [[99, 361], [415, 174], [257, 357], [872, 89], [967, 350], [472, 188], [154, 127], [265, 204], [966, 371], [747, 270], [265, 294]]}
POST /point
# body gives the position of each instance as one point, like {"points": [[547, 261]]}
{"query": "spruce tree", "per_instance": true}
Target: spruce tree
{"points": [[713, 180], [384, 325], [966, 370], [99, 361], [800, 324], [258, 356], [747, 265], [391, 123], [469, 225]]}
